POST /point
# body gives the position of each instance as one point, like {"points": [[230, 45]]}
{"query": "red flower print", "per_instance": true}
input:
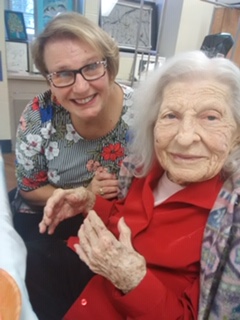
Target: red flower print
{"points": [[35, 104], [41, 176], [29, 183], [37, 181], [112, 152]]}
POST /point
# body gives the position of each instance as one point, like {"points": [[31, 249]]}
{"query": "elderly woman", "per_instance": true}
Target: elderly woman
{"points": [[181, 215]]}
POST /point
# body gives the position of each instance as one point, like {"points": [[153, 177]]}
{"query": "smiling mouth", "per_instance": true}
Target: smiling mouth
{"points": [[185, 157], [85, 100]]}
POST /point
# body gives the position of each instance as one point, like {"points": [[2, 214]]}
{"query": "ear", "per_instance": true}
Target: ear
{"points": [[236, 141]]}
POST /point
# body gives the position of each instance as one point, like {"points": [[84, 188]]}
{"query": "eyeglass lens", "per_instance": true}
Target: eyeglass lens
{"points": [[89, 72]]}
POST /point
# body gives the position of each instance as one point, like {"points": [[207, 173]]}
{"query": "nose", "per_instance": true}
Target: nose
{"points": [[187, 132], [80, 84]]}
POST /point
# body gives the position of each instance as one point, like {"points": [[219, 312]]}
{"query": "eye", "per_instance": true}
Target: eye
{"points": [[211, 115], [91, 67], [63, 74], [212, 118], [170, 116]]}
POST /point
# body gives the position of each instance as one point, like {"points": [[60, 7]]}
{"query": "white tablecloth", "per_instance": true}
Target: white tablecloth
{"points": [[12, 248]]}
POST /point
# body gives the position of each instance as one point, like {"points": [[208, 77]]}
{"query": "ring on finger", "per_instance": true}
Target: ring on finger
{"points": [[101, 192]]}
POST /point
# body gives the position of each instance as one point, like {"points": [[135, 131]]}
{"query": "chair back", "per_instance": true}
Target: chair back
{"points": [[10, 297], [217, 44]]}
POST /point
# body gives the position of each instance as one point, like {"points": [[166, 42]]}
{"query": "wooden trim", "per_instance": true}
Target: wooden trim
{"points": [[228, 20]]}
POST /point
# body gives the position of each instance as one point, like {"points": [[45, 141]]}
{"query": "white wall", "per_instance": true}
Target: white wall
{"points": [[194, 25], [170, 16], [5, 130], [91, 9]]}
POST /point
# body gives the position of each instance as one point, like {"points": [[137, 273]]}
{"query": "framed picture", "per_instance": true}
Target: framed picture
{"points": [[46, 10], [17, 56], [15, 26], [122, 23]]}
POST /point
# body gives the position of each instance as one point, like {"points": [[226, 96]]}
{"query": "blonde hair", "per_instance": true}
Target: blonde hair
{"points": [[72, 25]]}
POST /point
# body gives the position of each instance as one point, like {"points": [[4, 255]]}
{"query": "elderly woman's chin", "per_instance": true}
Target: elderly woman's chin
{"points": [[185, 176]]}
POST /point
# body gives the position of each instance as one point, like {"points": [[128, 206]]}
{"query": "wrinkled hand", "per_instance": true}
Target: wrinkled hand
{"points": [[114, 259], [64, 204], [104, 184]]}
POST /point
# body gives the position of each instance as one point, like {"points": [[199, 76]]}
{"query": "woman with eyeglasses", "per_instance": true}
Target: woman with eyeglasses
{"points": [[75, 133]]}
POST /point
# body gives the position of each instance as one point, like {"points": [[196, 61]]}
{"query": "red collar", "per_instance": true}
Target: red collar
{"points": [[202, 194]]}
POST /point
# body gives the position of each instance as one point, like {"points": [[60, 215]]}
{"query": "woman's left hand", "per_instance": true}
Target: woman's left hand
{"points": [[113, 259], [104, 184]]}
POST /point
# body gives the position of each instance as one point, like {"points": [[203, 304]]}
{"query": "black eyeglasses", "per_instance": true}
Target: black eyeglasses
{"points": [[90, 72]]}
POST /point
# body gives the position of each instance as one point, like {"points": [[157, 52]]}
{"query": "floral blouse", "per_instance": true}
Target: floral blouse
{"points": [[50, 151]]}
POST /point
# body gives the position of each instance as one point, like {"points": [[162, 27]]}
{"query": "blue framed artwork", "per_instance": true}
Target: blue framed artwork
{"points": [[15, 26], [46, 10]]}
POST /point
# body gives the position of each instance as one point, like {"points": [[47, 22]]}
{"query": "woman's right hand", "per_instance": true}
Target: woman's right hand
{"points": [[64, 204]]}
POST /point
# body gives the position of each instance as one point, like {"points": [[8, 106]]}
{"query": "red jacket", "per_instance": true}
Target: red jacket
{"points": [[169, 236]]}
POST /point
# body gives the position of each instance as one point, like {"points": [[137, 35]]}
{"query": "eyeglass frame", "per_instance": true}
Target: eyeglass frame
{"points": [[75, 72]]}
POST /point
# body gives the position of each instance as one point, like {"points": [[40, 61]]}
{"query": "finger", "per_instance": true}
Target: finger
{"points": [[50, 223], [96, 222], [53, 226], [106, 240], [84, 250], [81, 254], [53, 203], [124, 233], [108, 190], [42, 227], [100, 176], [111, 183], [57, 200], [90, 233], [110, 196], [50, 228], [107, 187], [44, 224]]}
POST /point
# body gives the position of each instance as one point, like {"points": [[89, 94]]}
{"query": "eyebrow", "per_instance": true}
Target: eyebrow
{"points": [[89, 61]]}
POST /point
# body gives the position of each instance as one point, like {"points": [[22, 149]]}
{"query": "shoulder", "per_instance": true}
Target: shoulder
{"points": [[46, 105], [127, 91], [127, 96], [127, 111], [40, 101]]}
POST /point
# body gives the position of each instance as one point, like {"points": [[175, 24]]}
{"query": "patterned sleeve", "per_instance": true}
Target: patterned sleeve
{"points": [[125, 176], [31, 165]]}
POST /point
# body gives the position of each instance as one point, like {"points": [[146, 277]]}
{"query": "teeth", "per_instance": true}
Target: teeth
{"points": [[82, 101]]}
